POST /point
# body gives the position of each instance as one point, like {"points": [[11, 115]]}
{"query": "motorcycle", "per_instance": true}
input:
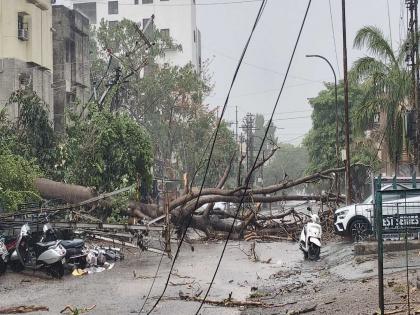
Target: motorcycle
{"points": [[49, 256], [76, 252], [310, 238]]}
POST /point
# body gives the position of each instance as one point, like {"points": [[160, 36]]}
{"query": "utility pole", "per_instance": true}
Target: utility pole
{"points": [[236, 124], [417, 78], [346, 107], [248, 126], [413, 62]]}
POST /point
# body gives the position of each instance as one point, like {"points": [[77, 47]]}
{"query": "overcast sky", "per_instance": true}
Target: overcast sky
{"points": [[225, 28]]}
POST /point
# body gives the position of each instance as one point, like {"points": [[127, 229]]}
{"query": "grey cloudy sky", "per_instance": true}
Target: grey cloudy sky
{"points": [[225, 28]]}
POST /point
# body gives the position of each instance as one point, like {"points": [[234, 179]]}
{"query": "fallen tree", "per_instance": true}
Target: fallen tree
{"points": [[195, 208], [187, 210], [69, 193]]}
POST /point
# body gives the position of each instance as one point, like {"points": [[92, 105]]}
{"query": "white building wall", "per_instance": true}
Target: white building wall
{"points": [[179, 16]]}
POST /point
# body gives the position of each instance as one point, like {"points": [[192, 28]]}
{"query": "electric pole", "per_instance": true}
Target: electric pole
{"points": [[346, 107], [412, 60], [248, 126], [236, 124]]}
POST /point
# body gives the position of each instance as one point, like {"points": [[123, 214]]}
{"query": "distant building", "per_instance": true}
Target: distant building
{"points": [[71, 62], [25, 50], [177, 18]]}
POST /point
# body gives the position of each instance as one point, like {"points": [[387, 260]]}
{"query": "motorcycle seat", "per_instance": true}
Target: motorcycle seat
{"points": [[45, 244], [75, 243]]}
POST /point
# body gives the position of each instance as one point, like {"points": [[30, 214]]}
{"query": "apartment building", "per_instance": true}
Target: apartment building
{"points": [[177, 18], [26, 53], [71, 79]]}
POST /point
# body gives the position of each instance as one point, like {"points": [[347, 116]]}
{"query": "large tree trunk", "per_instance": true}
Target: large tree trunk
{"points": [[49, 189]]}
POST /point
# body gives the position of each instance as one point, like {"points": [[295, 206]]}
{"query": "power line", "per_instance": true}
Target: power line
{"points": [[291, 118], [262, 7], [256, 158], [389, 22], [271, 90], [178, 4], [258, 66], [333, 34], [153, 283]]}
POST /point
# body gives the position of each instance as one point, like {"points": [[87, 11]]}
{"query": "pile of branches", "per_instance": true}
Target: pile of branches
{"points": [[196, 210]]}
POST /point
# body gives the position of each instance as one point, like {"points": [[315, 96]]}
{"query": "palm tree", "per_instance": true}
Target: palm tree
{"points": [[388, 88]]}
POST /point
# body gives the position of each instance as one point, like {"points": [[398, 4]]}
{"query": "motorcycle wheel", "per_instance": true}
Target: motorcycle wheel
{"points": [[2, 266], [314, 251], [56, 270], [16, 266]]}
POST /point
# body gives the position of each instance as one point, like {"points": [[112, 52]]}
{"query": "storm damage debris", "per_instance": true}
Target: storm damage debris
{"points": [[72, 310], [228, 302], [23, 309]]}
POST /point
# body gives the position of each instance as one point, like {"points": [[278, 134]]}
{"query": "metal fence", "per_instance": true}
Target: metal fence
{"points": [[397, 220]]}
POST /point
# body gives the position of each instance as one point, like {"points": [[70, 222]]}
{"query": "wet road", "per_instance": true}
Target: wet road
{"points": [[335, 279]]}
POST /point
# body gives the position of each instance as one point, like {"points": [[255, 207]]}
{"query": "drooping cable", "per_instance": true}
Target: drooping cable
{"points": [[261, 9], [333, 34], [256, 159], [153, 283]]}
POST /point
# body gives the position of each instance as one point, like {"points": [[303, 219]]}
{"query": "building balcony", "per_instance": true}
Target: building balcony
{"points": [[42, 4]]}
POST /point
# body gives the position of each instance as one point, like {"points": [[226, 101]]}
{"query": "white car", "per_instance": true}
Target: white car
{"points": [[356, 220]]}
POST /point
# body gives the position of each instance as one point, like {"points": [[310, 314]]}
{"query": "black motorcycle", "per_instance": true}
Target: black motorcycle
{"points": [[75, 249]]}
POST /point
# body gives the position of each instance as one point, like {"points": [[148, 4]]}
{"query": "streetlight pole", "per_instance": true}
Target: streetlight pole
{"points": [[337, 184]]}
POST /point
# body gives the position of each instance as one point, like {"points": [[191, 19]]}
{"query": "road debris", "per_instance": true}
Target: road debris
{"points": [[303, 310], [72, 310], [23, 309]]}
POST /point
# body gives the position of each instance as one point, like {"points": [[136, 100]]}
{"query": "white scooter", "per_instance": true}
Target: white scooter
{"points": [[28, 254], [310, 238]]}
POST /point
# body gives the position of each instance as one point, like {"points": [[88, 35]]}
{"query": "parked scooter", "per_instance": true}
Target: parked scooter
{"points": [[49, 256], [310, 238], [76, 252]]}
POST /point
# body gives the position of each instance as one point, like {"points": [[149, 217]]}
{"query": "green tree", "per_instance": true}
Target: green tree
{"points": [[31, 135], [17, 181], [320, 141], [387, 87], [289, 159], [106, 151], [167, 100]]}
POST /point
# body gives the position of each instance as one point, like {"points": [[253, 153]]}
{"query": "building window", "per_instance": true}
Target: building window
{"points": [[88, 9], [23, 32], [145, 21], [195, 39], [136, 1], [112, 7], [165, 33], [147, 1], [68, 51], [112, 23]]}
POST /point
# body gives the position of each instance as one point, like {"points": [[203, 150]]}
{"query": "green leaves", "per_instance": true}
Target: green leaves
{"points": [[107, 151], [32, 135], [386, 87], [372, 38], [17, 181]]}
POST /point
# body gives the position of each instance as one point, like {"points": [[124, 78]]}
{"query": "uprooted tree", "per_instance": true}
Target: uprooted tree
{"points": [[187, 210]]}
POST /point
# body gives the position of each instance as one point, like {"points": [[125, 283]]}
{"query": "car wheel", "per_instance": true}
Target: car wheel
{"points": [[359, 230]]}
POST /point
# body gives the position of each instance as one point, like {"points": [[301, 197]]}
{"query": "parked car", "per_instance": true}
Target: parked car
{"points": [[356, 220]]}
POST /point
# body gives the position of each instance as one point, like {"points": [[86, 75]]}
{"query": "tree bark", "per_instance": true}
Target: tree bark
{"points": [[49, 189]]}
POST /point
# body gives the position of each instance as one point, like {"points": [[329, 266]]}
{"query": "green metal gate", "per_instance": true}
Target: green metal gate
{"points": [[396, 220]]}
